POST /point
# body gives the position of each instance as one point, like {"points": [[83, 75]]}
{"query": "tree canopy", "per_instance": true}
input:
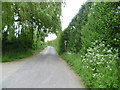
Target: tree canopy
{"points": [[26, 23]]}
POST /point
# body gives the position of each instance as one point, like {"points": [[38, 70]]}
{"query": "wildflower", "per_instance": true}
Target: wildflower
{"points": [[99, 62], [109, 50], [110, 69], [94, 74], [97, 54]]}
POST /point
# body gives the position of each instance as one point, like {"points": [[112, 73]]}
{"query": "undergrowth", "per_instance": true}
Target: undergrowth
{"points": [[98, 66], [16, 54]]}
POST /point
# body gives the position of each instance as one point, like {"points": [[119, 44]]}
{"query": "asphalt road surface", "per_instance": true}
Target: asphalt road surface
{"points": [[43, 70]]}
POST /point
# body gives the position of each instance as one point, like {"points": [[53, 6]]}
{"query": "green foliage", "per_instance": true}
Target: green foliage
{"points": [[16, 54], [102, 24], [26, 24], [98, 67], [71, 38], [94, 21], [19, 54], [90, 44], [57, 43]]}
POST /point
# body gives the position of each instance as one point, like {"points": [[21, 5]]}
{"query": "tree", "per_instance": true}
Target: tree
{"points": [[26, 23]]}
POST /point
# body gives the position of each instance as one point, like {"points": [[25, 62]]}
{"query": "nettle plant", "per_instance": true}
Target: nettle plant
{"points": [[101, 62]]}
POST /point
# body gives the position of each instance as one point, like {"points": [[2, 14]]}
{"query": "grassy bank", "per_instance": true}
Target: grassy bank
{"points": [[16, 54], [98, 67]]}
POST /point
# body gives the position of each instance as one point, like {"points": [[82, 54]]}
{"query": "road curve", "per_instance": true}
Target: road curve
{"points": [[44, 70]]}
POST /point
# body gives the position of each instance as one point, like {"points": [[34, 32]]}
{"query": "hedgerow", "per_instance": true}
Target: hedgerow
{"points": [[98, 67], [90, 44]]}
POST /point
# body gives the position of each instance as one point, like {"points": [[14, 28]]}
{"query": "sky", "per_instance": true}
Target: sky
{"points": [[68, 12]]}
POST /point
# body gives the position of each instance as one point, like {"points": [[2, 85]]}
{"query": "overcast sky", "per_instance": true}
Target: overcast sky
{"points": [[68, 12]]}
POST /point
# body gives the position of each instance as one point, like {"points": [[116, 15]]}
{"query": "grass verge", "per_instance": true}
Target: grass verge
{"points": [[13, 55], [98, 66]]}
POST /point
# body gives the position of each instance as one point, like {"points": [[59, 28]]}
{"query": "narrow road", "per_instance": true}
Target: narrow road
{"points": [[44, 70]]}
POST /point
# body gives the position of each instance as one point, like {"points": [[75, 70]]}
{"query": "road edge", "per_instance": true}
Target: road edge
{"points": [[70, 68]]}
